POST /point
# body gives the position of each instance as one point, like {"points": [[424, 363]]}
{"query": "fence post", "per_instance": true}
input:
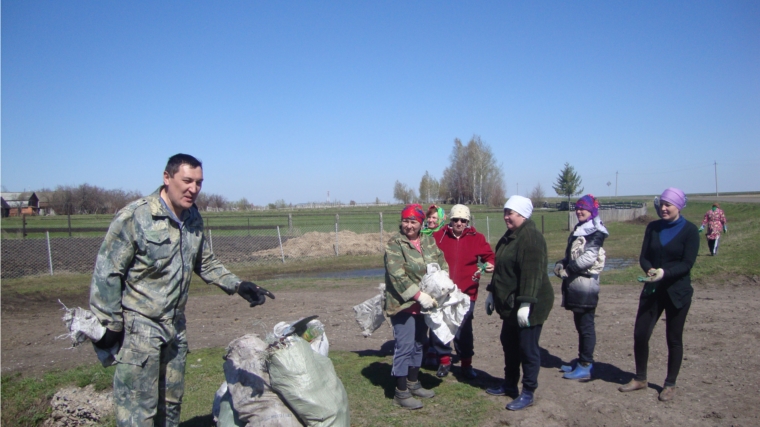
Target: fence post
{"points": [[336, 237], [23, 226], [280, 239], [249, 226], [381, 231], [542, 224], [68, 216], [290, 223], [50, 255], [488, 229], [210, 240]]}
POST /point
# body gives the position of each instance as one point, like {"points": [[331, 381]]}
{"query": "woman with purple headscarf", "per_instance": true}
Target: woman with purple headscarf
{"points": [[667, 255], [579, 271]]}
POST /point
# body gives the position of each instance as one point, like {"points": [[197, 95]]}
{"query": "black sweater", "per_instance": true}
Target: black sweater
{"points": [[675, 258]]}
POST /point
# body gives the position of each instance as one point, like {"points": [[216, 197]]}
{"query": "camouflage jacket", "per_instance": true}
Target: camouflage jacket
{"points": [[146, 262], [404, 268]]}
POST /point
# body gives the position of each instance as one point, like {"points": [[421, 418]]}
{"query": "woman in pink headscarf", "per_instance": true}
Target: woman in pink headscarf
{"points": [[667, 255]]}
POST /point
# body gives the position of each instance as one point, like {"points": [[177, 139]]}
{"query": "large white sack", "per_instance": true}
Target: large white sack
{"points": [[369, 314], [253, 400]]}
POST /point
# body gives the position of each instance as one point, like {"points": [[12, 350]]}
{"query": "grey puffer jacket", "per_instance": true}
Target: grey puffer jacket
{"points": [[584, 260]]}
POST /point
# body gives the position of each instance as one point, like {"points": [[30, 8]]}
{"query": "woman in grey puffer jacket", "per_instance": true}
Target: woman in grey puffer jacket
{"points": [[579, 271]]}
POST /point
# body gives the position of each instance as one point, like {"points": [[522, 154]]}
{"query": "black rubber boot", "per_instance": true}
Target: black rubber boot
{"points": [[416, 389], [404, 399]]}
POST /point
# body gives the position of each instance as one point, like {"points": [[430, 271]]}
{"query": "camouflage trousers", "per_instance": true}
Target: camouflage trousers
{"points": [[150, 373]]}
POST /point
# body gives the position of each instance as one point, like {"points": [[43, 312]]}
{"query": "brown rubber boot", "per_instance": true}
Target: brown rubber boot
{"points": [[404, 399], [416, 389], [668, 393], [633, 385]]}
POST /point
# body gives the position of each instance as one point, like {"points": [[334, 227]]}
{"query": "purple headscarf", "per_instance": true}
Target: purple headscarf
{"points": [[589, 203], [675, 197]]}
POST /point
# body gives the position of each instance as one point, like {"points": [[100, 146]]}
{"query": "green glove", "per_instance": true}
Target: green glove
{"points": [[725, 229], [650, 288], [702, 228]]}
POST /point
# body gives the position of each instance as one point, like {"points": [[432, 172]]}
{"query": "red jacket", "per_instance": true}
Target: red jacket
{"points": [[462, 256]]}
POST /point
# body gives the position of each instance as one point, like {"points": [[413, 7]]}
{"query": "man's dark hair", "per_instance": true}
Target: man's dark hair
{"points": [[177, 160]]}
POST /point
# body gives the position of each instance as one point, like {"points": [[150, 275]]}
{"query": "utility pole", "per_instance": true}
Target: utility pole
{"points": [[616, 179], [716, 178]]}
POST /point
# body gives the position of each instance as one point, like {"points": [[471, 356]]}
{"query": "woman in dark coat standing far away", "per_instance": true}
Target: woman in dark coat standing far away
{"points": [[667, 255], [521, 293]]}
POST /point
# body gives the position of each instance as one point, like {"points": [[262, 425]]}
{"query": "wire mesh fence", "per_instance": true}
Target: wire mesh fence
{"points": [[45, 247]]}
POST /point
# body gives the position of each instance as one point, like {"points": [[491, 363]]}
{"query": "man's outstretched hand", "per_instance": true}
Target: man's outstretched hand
{"points": [[253, 293]]}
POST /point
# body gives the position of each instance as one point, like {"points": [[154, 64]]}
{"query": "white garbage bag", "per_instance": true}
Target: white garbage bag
{"points": [[453, 305], [83, 325], [253, 402], [369, 314]]}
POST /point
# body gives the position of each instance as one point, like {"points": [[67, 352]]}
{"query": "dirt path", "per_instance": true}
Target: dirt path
{"points": [[719, 383]]}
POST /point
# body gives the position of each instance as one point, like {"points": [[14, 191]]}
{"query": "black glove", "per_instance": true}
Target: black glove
{"points": [[110, 339], [253, 293]]}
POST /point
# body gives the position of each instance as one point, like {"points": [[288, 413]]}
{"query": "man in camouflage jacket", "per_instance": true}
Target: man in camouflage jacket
{"points": [[139, 291]]}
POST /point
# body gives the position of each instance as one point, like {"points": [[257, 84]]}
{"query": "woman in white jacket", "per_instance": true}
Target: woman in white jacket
{"points": [[579, 271]]}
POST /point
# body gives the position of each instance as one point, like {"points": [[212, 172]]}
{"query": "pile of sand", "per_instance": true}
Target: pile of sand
{"points": [[316, 244]]}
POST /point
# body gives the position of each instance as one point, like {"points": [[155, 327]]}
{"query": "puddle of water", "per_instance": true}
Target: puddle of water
{"points": [[349, 274], [610, 264]]}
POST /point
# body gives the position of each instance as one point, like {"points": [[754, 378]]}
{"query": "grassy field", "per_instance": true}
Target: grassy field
{"points": [[25, 399]]}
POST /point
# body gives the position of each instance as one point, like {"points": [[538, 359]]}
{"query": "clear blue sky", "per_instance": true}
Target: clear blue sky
{"points": [[289, 100]]}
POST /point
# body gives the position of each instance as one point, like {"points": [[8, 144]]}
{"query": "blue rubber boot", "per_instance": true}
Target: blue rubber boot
{"points": [[579, 373], [569, 367], [524, 400]]}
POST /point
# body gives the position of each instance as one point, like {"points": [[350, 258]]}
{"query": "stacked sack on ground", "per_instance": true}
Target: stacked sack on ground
{"points": [[284, 382]]}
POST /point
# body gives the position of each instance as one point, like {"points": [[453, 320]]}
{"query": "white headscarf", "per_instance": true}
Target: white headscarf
{"points": [[521, 205]]}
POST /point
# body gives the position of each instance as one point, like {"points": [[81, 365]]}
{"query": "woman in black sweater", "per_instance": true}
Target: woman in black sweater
{"points": [[668, 252]]}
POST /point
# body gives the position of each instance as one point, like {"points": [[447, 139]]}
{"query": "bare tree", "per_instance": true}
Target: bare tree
{"points": [[473, 175], [403, 193], [537, 196], [216, 201], [202, 201], [243, 204], [429, 188]]}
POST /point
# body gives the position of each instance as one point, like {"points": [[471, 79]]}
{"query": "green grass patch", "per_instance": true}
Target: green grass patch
{"points": [[370, 389]]}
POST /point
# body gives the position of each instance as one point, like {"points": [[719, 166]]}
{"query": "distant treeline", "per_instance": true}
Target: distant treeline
{"points": [[91, 199]]}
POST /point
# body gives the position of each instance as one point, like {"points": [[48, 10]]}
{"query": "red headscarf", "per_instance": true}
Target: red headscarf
{"points": [[413, 211]]}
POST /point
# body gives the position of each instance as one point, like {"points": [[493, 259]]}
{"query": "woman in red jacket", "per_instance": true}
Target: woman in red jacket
{"points": [[463, 247]]}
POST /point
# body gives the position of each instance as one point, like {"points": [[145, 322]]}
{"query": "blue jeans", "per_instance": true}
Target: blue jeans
{"points": [[584, 324]]}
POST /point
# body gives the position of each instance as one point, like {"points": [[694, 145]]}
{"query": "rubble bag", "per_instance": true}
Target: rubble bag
{"points": [[253, 402], [369, 315], [309, 384]]}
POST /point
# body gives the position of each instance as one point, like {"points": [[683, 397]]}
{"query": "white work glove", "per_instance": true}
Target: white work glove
{"points": [[426, 301], [522, 315], [489, 304], [558, 268], [655, 275]]}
